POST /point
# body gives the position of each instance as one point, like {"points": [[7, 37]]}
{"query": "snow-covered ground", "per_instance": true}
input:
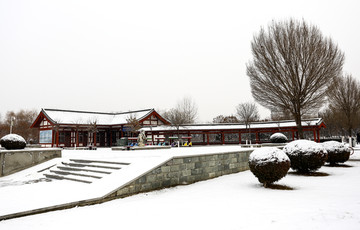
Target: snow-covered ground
{"points": [[329, 199]]}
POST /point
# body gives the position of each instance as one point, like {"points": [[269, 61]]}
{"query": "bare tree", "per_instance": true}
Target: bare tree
{"points": [[133, 123], [92, 129], [280, 115], [226, 119], [247, 113], [185, 112], [344, 99], [333, 126], [188, 108], [292, 68]]}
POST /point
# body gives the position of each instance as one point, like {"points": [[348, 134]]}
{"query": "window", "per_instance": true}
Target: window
{"points": [[197, 138], [215, 137], [232, 137], [45, 136]]}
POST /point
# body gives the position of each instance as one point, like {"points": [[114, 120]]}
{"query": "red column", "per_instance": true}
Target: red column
{"points": [[57, 138], [94, 139], [77, 138], [52, 138], [315, 139]]}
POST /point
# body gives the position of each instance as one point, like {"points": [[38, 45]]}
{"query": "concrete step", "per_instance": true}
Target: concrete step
{"points": [[63, 172], [80, 165], [97, 161], [73, 178], [67, 168], [85, 171]]}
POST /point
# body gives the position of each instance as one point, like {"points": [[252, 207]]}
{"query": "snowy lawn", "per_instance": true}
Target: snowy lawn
{"points": [[329, 199]]}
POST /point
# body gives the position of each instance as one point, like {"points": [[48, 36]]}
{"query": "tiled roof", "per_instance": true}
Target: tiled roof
{"points": [[83, 117]]}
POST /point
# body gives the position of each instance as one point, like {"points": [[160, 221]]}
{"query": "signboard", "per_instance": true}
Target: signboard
{"points": [[45, 136]]}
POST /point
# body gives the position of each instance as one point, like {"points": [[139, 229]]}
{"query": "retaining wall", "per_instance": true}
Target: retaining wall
{"points": [[12, 161], [186, 170]]}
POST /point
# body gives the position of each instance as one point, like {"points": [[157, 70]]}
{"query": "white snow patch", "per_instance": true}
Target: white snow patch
{"points": [[304, 147], [234, 201], [13, 138], [278, 136], [335, 146], [268, 154]]}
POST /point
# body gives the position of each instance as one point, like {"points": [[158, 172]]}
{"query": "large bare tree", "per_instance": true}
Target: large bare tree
{"points": [[293, 65], [344, 99]]}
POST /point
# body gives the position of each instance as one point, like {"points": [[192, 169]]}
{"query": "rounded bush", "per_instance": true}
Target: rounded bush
{"points": [[305, 156], [278, 138], [269, 164], [337, 152], [13, 141]]}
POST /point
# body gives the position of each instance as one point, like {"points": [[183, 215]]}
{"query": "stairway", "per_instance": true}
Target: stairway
{"points": [[84, 171]]}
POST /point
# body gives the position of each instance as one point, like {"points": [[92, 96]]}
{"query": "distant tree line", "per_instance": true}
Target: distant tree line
{"points": [[22, 120]]}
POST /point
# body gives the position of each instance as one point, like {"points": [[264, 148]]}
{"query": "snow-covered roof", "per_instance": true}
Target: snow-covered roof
{"points": [[254, 125], [81, 117]]}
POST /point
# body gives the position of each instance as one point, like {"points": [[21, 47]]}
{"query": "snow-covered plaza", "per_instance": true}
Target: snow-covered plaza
{"points": [[327, 199]]}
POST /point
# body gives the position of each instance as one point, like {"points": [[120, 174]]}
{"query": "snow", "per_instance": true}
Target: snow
{"points": [[268, 154], [141, 162], [13, 138], [278, 136], [78, 117], [333, 146], [237, 201], [303, 147]]}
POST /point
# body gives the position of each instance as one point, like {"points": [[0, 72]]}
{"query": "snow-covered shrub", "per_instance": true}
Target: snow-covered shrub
{"points": [[278, 138], [337, 152], [269, 164], [305, 156], [13, 141]]}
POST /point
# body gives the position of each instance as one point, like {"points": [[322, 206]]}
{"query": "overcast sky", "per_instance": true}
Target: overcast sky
{"points": [[128, 55]]}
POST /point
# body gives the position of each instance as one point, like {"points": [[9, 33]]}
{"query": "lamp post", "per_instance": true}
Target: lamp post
{"points": [[12, 119]]}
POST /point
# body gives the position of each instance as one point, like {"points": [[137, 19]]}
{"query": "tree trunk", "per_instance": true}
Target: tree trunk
{"points": [[350, 131], [299, 126]]}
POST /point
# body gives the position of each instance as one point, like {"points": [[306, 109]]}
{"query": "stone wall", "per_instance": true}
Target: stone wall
{"points": [[186, 170], [12, 161]]}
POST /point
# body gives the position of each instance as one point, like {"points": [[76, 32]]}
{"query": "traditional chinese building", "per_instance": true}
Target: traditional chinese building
{"points": [[66, 128], [258, 132]]}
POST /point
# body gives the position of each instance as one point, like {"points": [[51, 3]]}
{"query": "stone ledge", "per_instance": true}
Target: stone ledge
{"points": [[12, 161]]}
